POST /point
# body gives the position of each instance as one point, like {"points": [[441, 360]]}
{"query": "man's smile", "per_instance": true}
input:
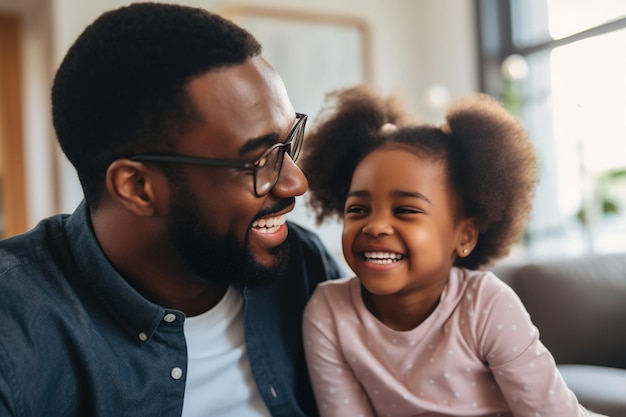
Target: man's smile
{"points": [[269, 224]]}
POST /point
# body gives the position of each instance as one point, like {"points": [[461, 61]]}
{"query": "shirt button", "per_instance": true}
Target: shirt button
{"points": [[143, 337], [176, 373], [169, 317]]}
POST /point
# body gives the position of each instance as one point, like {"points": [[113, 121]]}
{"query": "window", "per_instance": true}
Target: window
{"points": [[559, 66]]}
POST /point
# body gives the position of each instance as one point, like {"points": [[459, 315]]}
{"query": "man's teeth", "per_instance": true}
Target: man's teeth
{"points": [[382, 257], [269, 224]]}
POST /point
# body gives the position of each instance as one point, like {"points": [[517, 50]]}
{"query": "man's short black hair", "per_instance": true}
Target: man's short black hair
{"points": [[120, 89]]}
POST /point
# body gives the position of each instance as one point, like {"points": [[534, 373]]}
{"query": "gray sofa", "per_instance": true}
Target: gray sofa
{"points": [[579, 307]]}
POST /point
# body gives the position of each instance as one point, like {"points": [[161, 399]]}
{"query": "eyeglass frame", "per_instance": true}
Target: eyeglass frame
{"points": [[253, 166]]}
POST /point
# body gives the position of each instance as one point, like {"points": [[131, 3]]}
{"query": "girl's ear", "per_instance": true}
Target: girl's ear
{"points": [[132, 185], [468, 237]]}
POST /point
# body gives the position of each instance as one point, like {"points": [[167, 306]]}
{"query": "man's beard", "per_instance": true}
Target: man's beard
{"points": [[219, 259]]}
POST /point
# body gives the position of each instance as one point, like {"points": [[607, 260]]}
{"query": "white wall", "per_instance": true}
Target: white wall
{"points": [[416, 44], [39, 142]]}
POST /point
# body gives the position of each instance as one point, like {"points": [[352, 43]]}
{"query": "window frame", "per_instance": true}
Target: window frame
{"points": [[494, 22]]}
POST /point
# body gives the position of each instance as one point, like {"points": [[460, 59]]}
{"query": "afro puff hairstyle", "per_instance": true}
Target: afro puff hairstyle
{"points": [[345, 131], [121, 88], [489, 157]]}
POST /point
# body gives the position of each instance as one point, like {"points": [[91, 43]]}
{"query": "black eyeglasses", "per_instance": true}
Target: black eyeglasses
{"points": [[265, 169]]}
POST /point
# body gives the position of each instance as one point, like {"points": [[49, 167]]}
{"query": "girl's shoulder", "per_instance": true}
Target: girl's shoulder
{"points": [[483, 280], [335, 290], [479, 286], [335, 298]]}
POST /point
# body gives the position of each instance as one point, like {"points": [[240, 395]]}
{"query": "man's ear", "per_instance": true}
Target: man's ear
{"points": [[132, 185], [468, 237]]}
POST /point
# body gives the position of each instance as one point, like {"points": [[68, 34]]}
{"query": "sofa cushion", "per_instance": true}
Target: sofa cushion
{"points": [[599, 389], [578, 305]]}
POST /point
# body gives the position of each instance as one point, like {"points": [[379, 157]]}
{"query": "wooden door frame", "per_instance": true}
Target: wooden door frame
{"points": [[12, 172]]}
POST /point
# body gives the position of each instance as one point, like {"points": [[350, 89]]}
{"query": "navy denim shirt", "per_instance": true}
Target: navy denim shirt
{"points": [[77, 340]]}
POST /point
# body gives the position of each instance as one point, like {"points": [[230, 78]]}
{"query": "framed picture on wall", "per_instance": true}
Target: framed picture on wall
{"points": [[314, 53]]}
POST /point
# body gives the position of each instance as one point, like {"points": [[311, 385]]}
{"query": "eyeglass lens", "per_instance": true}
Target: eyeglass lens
{"points": [[268, 171]]}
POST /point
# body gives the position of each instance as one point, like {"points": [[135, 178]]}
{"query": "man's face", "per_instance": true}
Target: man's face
{"points": [[218, 257], [220, 227]]}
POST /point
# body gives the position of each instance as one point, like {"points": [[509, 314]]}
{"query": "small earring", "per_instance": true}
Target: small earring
{"points": [[465, 251]]}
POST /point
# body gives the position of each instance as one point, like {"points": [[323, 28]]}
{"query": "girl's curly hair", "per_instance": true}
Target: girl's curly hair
{"points": [[345, 130], [490, 160]]}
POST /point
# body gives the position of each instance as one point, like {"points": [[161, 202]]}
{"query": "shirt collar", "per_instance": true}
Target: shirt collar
{"points": [[135, 314]]}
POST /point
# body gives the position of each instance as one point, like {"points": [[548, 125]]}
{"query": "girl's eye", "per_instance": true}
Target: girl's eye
{"points": [[355, 209], [408, 210]]}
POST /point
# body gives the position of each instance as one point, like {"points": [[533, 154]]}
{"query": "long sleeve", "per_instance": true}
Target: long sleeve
{"points": [[523, 368], [337, 390]]}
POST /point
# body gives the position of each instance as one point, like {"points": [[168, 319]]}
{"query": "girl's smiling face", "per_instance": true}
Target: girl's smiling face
{"points": [[401, 229]]}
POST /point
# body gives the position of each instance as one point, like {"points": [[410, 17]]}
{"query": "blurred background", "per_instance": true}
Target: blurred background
{"points": [[558, 65]]}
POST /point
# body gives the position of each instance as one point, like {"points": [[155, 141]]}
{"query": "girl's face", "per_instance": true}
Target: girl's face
{"points": [[400, 231]]}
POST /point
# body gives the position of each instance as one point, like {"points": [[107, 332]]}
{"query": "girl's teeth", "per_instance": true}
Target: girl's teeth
{"points": [[382, 257]]}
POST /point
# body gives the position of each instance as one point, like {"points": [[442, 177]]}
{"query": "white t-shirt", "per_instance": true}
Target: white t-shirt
{"points": [[219, 378]]}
